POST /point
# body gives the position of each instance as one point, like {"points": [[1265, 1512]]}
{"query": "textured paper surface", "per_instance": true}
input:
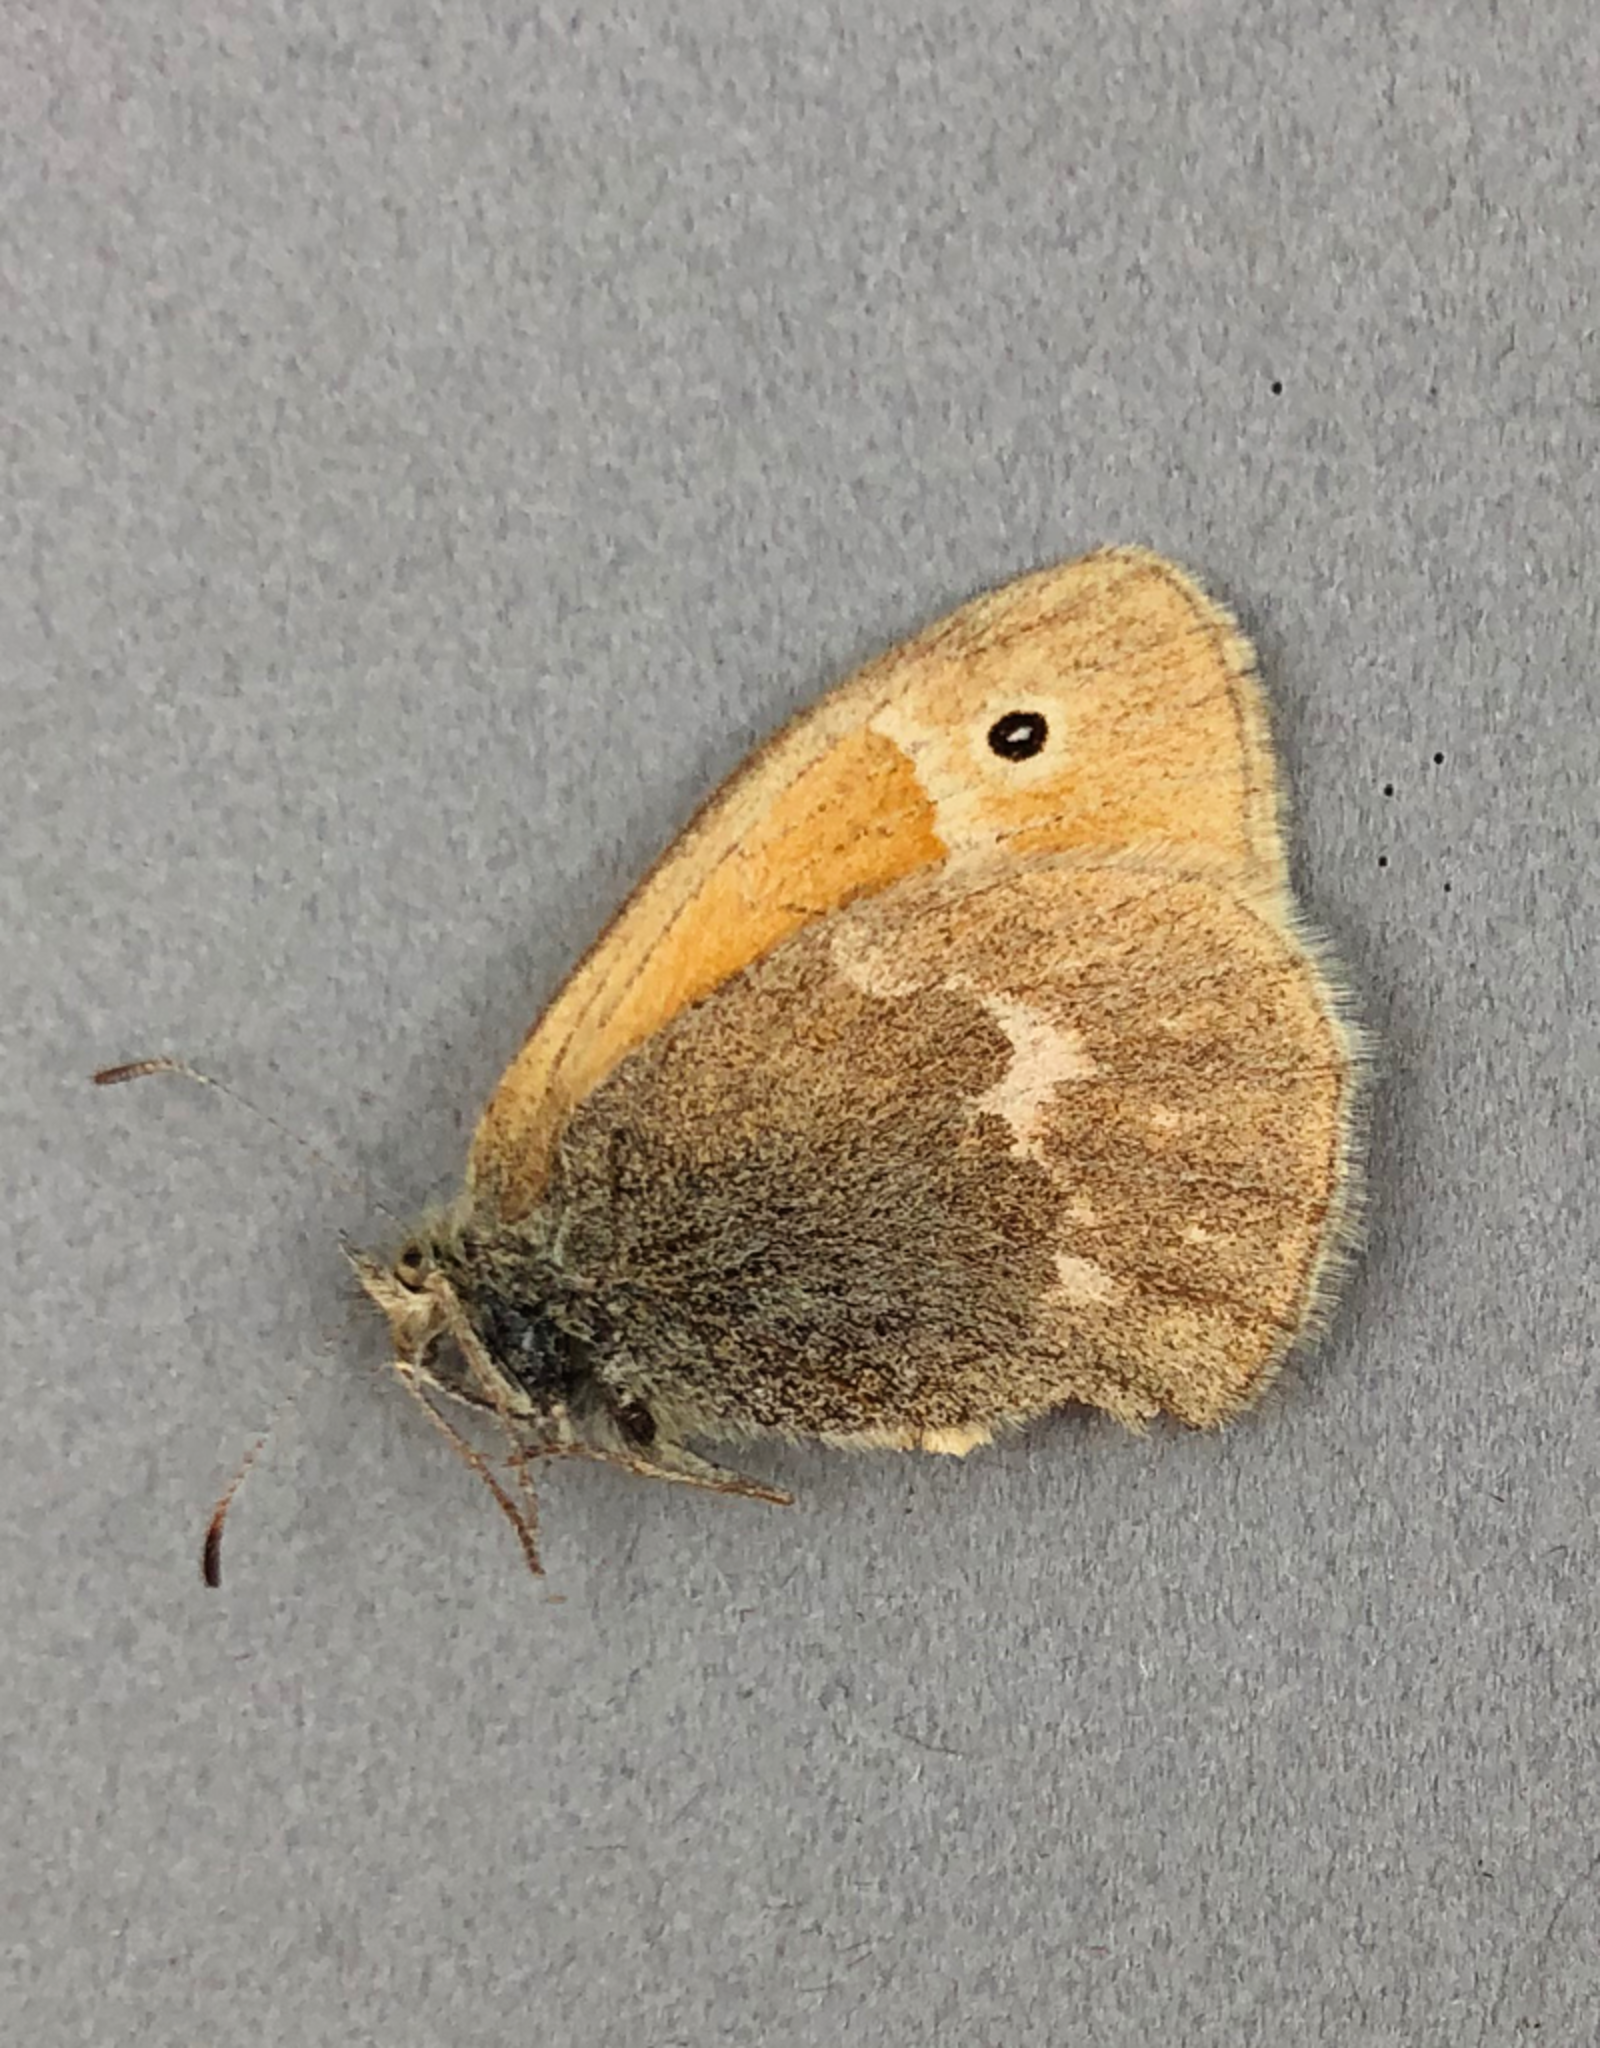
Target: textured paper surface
{"points": [[436, 445]]}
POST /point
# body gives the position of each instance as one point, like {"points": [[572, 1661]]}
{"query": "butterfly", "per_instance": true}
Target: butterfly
{"points": [[966, 1057]]}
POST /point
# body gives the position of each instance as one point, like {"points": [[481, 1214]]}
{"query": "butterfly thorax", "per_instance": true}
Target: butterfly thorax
{"points": [[527, 1313]]}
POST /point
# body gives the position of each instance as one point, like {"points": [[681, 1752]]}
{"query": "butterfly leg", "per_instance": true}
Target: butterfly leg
{"points": [[664, 1461]]}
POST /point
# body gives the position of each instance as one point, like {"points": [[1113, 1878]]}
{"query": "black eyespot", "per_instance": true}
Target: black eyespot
{"points": [[1019, 735], [408, 1268]]}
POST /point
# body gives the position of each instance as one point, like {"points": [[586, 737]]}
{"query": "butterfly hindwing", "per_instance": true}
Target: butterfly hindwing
{"points": [[1031, 1130]]}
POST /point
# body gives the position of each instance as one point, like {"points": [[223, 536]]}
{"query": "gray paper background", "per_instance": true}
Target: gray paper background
{"points": [[438, 442]]}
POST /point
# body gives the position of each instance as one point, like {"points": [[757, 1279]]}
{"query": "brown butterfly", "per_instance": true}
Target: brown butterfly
{"points": [[965, 1057]]}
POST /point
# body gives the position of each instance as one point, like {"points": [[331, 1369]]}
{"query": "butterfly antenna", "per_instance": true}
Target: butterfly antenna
{"points": [[137, 1070], [211, 1548], [524, 1520]]}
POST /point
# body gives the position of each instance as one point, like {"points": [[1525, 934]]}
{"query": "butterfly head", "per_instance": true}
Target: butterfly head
{"points": [[439, 1349], [407, 1290]]}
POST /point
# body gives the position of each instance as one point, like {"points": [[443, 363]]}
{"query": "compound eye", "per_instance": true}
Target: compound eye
{"points": [[410, 1269]]}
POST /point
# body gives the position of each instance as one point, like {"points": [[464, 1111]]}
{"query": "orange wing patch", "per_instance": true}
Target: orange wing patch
{"points": [[1156, 738], [741, 880]]}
